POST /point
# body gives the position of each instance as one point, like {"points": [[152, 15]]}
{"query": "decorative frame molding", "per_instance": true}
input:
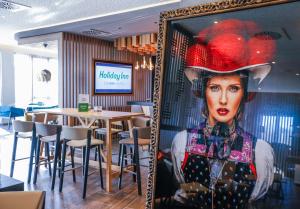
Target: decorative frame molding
{"points": [[195, 11]]}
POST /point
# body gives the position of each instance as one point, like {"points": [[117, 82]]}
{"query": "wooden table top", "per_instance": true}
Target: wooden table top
{"points": [[104, 115]]}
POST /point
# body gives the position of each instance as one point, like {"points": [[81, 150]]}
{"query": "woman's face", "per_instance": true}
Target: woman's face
{"points": [[223, 95]]}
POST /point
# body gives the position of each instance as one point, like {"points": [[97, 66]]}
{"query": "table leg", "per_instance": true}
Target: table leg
{"points": [[108, 157], [45, 118], [130, 126]]}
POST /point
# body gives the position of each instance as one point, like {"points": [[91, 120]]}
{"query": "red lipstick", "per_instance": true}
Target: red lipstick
{"points": [[222, 111]]}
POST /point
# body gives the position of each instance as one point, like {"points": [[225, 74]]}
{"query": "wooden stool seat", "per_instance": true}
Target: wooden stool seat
{"points": [[25, 135], [83, 143], [130, 141], [48, 138]]}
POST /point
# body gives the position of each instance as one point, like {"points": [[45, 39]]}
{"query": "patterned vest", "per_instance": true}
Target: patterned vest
{"points": [[235, 175]]}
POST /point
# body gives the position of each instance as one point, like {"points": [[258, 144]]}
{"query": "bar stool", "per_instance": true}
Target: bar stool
{"points": [[26, 130], [46, 133], [79, 138], [141, 137], [136, 122], [101, 133]]}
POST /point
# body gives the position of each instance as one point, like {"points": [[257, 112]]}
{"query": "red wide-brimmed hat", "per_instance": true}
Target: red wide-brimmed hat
{"points": [[229, 46]]}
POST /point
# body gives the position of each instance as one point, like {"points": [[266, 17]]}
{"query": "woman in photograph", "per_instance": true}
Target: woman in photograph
{"points": [[218, 164]]}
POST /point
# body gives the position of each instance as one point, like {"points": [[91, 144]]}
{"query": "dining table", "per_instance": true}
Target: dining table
{"points": [[87, 119]]}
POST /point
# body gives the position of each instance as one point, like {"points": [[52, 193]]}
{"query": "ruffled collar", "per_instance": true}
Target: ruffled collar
{"points": [[231, 129]]}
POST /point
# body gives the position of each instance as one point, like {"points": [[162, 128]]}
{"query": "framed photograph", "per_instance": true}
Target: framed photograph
{"points": [[226, 126], [112, 78]]}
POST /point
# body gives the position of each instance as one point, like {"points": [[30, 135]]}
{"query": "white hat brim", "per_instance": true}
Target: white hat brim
{"points": [[259, 71]]}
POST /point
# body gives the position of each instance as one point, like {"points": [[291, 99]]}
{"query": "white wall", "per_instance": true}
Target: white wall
{"points": [[7, 78], [0, 77], [7, 84]]}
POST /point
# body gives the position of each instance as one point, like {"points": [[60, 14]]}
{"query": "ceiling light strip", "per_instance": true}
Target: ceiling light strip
{"points": [[107, 14]]}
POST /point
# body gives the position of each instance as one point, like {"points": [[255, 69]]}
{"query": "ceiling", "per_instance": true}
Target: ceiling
{"points": [[116, 18], [112, 18]]}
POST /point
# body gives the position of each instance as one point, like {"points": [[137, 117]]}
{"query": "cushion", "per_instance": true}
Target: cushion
{"points": [[82, 143]]}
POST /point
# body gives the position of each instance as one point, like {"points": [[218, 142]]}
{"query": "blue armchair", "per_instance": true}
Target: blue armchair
{"points": [[11, 112]]}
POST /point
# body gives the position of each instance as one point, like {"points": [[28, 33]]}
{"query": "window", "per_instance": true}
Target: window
{"points": [[23, 79], [30, 85], [277, 129]]}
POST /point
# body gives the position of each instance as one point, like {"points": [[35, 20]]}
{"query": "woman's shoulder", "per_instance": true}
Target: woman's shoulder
{"points": [[180, 137], [179, 141]]}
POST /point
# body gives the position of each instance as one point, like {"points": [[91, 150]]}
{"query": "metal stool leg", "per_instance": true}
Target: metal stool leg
{"points": [[73, 164], [32, 155], [137, 168], [86, 169], [100, 165], [61, 180], [47, 150], [37, 160], [13, 158], [56, 157], [122, 162]]}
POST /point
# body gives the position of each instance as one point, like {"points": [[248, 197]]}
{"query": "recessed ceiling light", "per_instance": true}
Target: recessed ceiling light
{"points": [[57, 3], [216, 22], [12, 6], [95, 32], [259, 88], [297, 74], [273, 62]]}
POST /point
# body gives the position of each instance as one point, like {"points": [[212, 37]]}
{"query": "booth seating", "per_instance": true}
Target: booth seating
{"points": [[22, 200], [11, 112]]}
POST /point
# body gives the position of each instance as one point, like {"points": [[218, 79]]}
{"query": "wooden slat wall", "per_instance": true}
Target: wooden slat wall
{"points": [[78, 53]]}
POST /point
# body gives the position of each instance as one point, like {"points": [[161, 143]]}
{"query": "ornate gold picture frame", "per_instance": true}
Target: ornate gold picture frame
{"points": [[163, 53]]}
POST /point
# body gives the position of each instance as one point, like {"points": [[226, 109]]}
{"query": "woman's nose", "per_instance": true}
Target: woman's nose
{"points": [[223, 98]]}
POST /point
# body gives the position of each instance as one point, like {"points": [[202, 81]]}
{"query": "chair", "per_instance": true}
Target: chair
{"points": [[26, 130], [11, 112], [141, 137], [114, 131], [46, 133], [22, 200], [78, 138], [136, 122], [100, 133]]}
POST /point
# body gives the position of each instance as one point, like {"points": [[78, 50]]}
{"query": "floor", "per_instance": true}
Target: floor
{"points": [[71, 196], [98, 198]]}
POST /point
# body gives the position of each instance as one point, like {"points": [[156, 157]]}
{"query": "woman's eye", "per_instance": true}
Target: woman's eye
{"points": [[234, 88], [214, 88]]}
